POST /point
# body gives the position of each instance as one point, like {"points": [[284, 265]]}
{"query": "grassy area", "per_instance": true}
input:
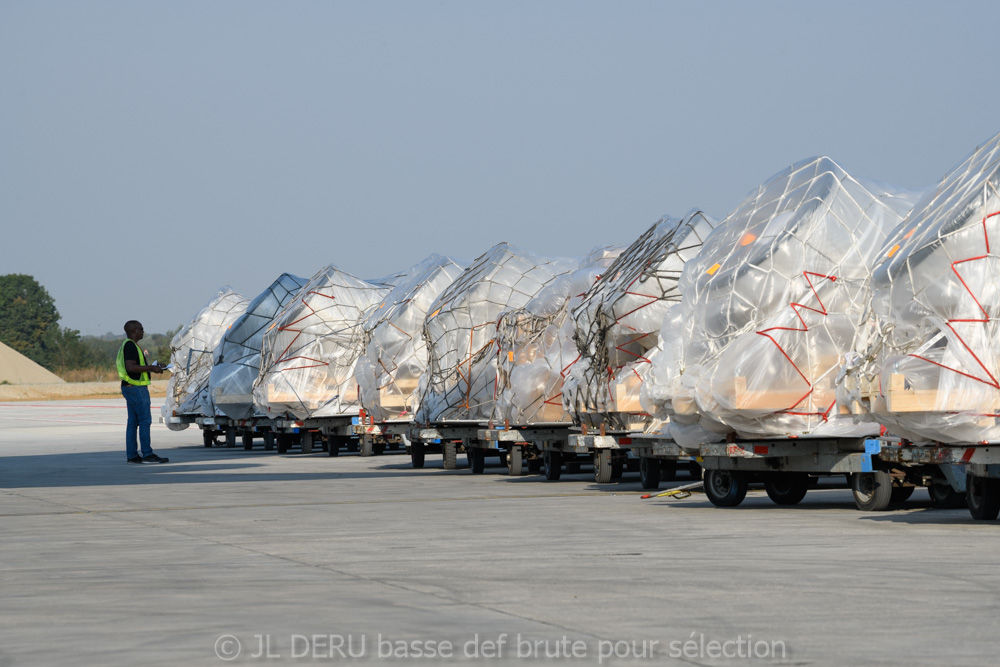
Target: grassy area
{"points": [[92, 374]]}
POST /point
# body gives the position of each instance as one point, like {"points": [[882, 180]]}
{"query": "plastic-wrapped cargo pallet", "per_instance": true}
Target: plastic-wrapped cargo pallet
{"points": [[395, 352], [772, 302], [460, 382], [619, 320], [191, 356], [536, 348], [311, 348], [237, 358], [935, 353]]}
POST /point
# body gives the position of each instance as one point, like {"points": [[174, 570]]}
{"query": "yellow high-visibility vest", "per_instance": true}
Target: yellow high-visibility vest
{"points": [[123, 374]]}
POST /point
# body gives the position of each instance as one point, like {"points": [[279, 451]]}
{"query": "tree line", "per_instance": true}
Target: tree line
{"points": [[29, 323]]}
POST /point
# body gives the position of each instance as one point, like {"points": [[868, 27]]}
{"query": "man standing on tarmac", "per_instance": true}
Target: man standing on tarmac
{"points": [[134, 374]]}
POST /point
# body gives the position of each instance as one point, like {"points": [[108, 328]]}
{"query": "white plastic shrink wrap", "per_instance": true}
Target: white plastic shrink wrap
{"points": [[773, 301], [460, 331], [395, 353], [237, 358], [311, 348], [191, 356], [536, 349], [935, 356], [618, 322]]}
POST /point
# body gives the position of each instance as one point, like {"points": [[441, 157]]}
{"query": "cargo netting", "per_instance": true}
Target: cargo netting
{"points": [[237, 358], [395, 353], [536, 348], [460, 331], [191, 356], [773, 301], [932, 368], [618, 323], [311, 348]]}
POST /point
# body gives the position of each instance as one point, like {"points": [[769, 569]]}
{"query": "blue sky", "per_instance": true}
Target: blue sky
{"points": [[152, 152]]}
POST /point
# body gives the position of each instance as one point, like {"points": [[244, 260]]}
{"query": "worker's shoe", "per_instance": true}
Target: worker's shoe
{"points": [[134, 459], [153, 458]]}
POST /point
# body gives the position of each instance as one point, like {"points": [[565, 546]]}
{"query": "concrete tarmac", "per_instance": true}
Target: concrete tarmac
{"points": [[226, 556]]}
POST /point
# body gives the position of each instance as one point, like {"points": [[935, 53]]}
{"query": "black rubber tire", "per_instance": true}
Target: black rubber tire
{"points": [[284, 442], [983, 497], [449, 455], [553, 465], [618, 466], [268, 440], [787, 488], [726, 488], [230, 437], [515, 461], [477, 460], [207, 437], [417, 452], [306, 442], [901, 494], [333, 446], [943, 497], [603, 466], [367, 447], [650, 471], [378, 448], [872, 490], [247, 440]]}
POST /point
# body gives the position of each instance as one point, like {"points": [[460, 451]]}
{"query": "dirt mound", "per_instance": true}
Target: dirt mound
{"points": [[15, 368]]}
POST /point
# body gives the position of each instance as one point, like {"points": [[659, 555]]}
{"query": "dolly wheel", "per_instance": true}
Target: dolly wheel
{"points": [[983, 496], [943, 497], [553, 465], [872, 490], [417, 453], [649, 472], [726, 488], [603, 466], [449, 455], [515, 461], [787, 488], [477, 460], [901, 493]]}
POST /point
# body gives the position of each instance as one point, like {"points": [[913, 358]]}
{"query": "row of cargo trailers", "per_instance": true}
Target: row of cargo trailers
{"points": [[881, 472]]}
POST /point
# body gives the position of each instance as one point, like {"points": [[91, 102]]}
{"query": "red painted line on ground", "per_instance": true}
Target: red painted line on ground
{"points": [[63, 407], [66, 421]]}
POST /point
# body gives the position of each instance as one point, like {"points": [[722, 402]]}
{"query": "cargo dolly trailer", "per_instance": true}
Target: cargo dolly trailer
{"points": [[788, 467], [980, 462]]}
